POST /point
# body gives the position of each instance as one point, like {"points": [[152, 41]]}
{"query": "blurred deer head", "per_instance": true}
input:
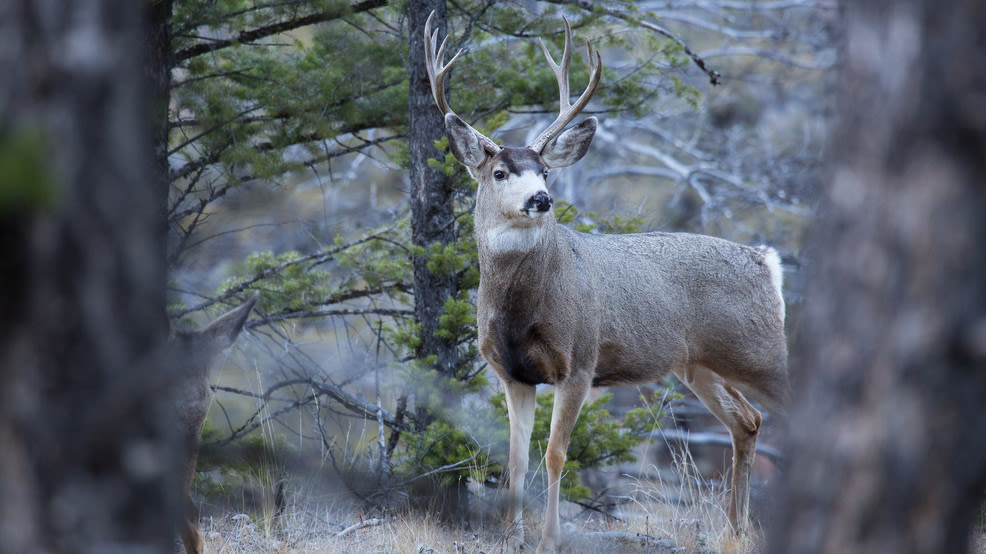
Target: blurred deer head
{"points": [[192, 395]]}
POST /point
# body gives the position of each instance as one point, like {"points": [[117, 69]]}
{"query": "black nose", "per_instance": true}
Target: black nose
{"points": [[540, 202]]}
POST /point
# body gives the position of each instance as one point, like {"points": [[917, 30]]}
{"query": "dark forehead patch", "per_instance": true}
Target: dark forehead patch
{"points": [[518, 160]]}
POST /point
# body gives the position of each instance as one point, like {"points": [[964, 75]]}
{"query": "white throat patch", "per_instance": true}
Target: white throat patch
{"points": [[509, 238]]}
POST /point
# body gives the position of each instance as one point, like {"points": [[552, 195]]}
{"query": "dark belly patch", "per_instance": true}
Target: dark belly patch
{"points": [[531, 360], [519, 366]]}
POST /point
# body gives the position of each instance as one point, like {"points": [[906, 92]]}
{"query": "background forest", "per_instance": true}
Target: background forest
{"points": [[290, 175], [199, 155]]}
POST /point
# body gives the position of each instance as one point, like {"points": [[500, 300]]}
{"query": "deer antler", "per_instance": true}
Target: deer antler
{"points": [[567, 110], [436, 75]]}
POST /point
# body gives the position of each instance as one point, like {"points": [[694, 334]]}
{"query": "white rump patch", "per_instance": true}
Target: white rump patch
{"points": [[773, 263], [510, 238]]}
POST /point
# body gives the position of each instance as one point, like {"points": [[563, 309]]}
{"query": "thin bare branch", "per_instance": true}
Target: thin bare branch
{"points": [[715, 77], [587, 5]]}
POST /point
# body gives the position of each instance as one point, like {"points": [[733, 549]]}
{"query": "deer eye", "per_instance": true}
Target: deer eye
{"points": [[544, 173], [499, 175]]}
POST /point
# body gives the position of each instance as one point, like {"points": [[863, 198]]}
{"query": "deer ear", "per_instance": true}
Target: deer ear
{"points": [[569, 146], [468, 145], [224, 330]]}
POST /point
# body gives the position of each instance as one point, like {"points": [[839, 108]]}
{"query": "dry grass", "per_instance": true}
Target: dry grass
{"points": [[689, 508], [679, 513], [978, 545], [304, 531], [660, 510]]}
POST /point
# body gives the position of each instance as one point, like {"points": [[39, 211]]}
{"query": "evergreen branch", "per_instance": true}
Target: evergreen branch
{"points": [[216, 126], [316, 258], [311, 314], [176, 84], [757, 5], [364, 91], [213, 157], [183, 30], [275, 28], [270, 6], [363, 293], [194, 122], [195, 165]]}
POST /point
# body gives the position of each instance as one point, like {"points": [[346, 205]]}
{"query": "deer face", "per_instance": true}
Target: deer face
{"points": [[515, 181], [513, 192]]}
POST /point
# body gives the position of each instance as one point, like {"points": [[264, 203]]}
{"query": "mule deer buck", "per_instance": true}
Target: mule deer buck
{"points": [[192, 398], [578, 310]]}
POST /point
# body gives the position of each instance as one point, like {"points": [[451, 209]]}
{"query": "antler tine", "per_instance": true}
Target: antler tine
{"points": [[568, 111], [436, 75], [561, 72], [436, 70]]}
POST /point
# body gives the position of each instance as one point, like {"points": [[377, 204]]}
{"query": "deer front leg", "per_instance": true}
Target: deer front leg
{"points": [[569, 396], [520, 410]]}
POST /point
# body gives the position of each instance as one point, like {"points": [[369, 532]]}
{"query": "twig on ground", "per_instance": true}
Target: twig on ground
{"points": [[357, 526]]}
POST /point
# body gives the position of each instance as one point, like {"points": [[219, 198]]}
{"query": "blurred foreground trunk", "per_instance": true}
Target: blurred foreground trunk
{"points": [[886, 445], [87, 450]]}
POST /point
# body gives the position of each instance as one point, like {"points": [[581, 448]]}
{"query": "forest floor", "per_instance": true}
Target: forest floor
{"points": [[678, 515], [326, 531], [653, 512]]}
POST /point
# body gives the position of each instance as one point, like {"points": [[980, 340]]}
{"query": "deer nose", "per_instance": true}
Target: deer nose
{"points": [[540, 202]]}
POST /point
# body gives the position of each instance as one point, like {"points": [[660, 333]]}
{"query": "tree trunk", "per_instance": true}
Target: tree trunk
{"points": [[886, 447], [432, 209], [432, 222], [160, 63], [87, 449]]}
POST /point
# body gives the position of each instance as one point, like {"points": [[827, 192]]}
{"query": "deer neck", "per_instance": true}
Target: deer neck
{"points": [[516, 263]]}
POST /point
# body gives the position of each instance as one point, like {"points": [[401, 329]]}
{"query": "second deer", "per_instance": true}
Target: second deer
{"points": [[577, 310], [192, 398]]}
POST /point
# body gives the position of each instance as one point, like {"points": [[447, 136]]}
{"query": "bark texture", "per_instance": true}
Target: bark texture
{"points": [[432, 210], [432, 222], [87, 457], [885, 443]]}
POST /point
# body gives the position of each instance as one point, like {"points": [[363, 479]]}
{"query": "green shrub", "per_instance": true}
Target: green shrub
{"points": [[598, 439]]}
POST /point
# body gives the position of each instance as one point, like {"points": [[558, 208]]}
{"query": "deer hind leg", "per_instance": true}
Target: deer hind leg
{"points": [[743, 421], [569, 396], [188, 526], [190, 537], [520, 410]]}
